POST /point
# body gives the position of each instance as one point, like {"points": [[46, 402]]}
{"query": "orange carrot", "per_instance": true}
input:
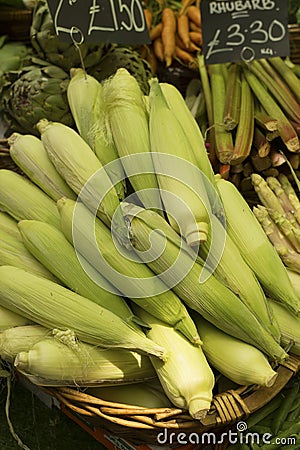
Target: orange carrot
{"points": [[183, 29], [194, 15], [185, 57], [155, 32], [148, 18], [168, 34], [184, 5], [192, 47], [158, 49], [196, 37], [194, 27]]}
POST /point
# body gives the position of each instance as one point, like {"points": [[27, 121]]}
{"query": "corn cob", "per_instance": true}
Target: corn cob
{"points": [[55, 306], [258, 252], [186, 376], [54, 251], [194, 282], [79, 166], [82, 93], [177, 104], [147, 394], [127, 121], [10, 319], [22, 199], [240, 362], [295, 280], [181, 183], [123, 269], [13, 251], [84, 99], [53, 363], [9, 226], [232, 270], [28, 152], [289, 326], [20, 339]]}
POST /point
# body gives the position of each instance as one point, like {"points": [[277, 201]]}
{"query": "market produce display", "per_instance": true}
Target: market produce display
{"points": [[78, 313], [130, 250]]}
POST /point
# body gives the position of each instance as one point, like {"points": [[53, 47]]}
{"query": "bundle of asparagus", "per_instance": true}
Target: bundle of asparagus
{"points": [[279, 215], [251, 116]]}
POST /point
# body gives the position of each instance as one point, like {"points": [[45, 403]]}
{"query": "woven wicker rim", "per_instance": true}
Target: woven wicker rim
{"points": [[226, 409]]}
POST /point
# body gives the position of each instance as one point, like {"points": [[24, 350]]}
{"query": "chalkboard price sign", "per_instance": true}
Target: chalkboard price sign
{"points": [[116, 21], [243, 30]]}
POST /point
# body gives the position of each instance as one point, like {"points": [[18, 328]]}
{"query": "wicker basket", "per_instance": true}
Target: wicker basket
{"points": [[141, 426]]}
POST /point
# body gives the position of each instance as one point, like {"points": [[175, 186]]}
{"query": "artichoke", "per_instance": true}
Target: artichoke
{"points": [[12, 56], [116, 57], [50, 48], [37, 91]]}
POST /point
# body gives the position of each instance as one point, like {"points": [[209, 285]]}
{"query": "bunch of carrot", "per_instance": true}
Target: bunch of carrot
{"points": [[175, 33]]}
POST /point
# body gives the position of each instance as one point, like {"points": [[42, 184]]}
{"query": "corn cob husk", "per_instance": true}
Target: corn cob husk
{"points": [[181, 183], [186, 376], [127, 120], [82, 93], [28, 152], [14, 253], [255, 247], [232, 270], [84, 99], [20, 339], [54, 251], [122, 268], [289, 326], [240, 362], [147, 394], [195, 283], [79, 166], [10, 319], [9, 226], [51, 362], [179, 107], [22, 199], [55, 306]]}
